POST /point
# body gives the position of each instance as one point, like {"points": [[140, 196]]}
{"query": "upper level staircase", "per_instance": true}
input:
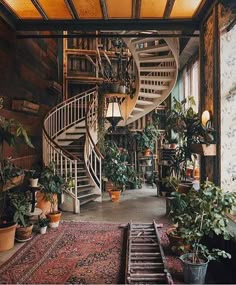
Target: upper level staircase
{"points": [[70, 128], [157, 64]]}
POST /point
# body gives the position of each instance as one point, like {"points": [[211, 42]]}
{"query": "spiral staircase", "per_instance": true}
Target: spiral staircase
{"points": [[70, 128]]}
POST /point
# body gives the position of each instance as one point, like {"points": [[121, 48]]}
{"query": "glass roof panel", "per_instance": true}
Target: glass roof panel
{"points": [[119, 8], [55, 9], [88, 9], [152, 8], [184, 8], [24, 9]]}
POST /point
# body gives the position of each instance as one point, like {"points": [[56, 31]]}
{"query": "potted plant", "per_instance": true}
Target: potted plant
{"points": [[53, 184], [133, 179], [11, 133], [115, 169], [202, 214], [33, 176], [43, 224], [147, 138], [186, 123], [20, 206]]}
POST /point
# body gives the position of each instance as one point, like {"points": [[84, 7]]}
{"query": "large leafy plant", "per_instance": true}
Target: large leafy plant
{"points": [[200, 214], [20, 207], [52, 184], [186, 123], [147, 138], [114, 165]]}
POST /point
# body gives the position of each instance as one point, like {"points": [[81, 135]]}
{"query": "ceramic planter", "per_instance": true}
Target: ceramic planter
{"points": [[24, 233], [43, 230], [33, 182], [54, 219], [7, 236]]}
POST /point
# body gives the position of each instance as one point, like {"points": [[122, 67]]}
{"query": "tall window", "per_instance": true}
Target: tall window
{"points": [[190, 79]]}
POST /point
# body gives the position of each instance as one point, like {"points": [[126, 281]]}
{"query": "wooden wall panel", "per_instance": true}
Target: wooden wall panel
{"points": [[26, 67], [210, 91]]}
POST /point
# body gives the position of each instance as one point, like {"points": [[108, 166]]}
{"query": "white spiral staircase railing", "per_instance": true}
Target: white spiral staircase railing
{"points": [[57, 121]]}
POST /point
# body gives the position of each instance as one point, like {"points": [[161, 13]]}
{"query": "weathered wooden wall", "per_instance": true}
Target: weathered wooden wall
{"points": [[26, 69]]}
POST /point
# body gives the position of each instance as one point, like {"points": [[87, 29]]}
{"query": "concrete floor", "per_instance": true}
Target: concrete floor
{"points": [[140, 205]]}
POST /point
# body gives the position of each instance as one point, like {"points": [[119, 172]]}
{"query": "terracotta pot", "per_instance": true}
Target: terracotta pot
{"points": [[115, 195], [43, 204], [147, 152], [54, 219], [24, 233], [7, 237]]}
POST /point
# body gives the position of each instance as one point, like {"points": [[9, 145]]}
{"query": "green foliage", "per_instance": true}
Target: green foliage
{"points": [[53, 183], [20, 208], [132, 176], [42, 221], [12, 132], [186, 123], [114, 165], [8, 170], [178, 162], [202, 213], [147, 138]]}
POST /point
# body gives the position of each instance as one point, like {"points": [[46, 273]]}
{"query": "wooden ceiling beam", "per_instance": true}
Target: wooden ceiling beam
{"points": [[40, 9], [8, 16], [111, 24], [104, 9], [71, 8], [106, 35], [136, 8], [168, 8]]}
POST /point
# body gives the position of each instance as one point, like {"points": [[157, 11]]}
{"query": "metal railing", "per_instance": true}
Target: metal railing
{"points": [[93, 157], [60, 118]]}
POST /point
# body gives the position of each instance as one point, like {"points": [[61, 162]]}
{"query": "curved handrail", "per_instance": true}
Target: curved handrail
{"points": [[60, 118], [174, 48], [93, 157]]}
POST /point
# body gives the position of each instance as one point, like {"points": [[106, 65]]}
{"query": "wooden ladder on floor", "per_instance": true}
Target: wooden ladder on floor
{"points": [[145, 260]]}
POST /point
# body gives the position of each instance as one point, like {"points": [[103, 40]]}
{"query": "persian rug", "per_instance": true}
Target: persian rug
{"points": [[73, 253]]}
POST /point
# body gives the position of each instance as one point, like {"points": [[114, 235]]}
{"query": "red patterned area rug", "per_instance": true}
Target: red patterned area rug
{"points": [[75, 252]]}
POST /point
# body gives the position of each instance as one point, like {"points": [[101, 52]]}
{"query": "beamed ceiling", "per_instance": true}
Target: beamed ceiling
{"points": [[104, 14]]}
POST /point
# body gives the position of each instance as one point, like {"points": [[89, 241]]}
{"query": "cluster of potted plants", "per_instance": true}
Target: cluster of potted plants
{"points": [[197, 215], [53, 185], [147, 138], [186, 123], [12, 209]]}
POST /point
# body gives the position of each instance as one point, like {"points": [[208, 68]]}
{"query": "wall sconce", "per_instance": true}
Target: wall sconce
{"points": [[113, 114], [206, 118]]}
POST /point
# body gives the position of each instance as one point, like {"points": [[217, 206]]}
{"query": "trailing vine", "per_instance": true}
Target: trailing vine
{"points": [[101, 118]]}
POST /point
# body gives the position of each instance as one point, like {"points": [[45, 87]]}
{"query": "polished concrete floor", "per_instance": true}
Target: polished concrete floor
{"points": [[141, 205]]}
